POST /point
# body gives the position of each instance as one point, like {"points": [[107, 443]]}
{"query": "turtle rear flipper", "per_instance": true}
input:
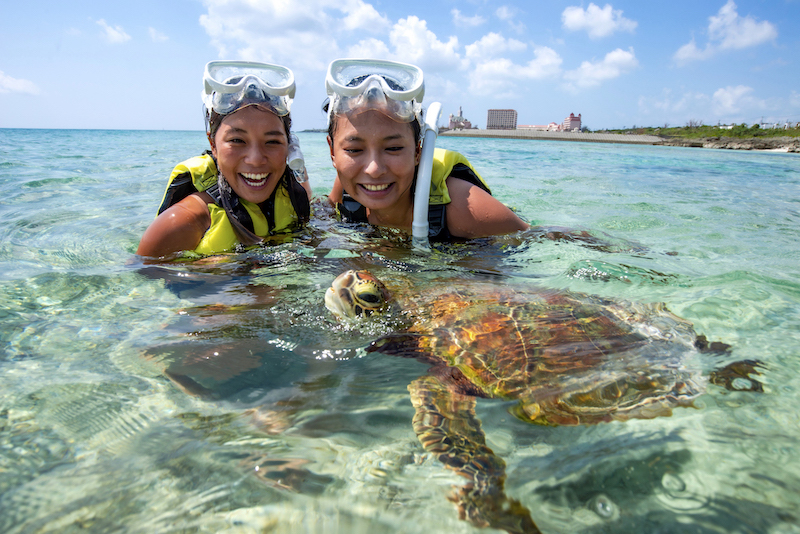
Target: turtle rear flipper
{"points": [[737, 376], [446, 425]]}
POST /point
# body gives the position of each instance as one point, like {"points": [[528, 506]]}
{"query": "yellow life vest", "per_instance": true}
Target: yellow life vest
{"points": [[200, 174], [195, 174], [220, 236], [444, 163]]}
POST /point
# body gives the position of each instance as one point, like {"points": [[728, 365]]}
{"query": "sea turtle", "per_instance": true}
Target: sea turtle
{"points": [[567, 358]]}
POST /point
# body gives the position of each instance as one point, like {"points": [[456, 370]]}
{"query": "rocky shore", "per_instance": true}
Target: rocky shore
{"points": [[778, 144]]}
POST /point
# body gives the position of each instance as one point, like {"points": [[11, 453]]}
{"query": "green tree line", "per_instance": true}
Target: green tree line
{"points": [[696, 129]]}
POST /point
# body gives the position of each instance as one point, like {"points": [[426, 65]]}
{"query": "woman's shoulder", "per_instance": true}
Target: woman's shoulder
{"points": [[473, 212], [179, 227], [192, 211]]}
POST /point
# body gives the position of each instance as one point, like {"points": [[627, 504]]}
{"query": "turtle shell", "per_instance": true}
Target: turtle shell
{"points": [[568, 358]]}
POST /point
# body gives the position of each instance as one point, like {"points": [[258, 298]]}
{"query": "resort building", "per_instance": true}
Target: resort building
{"points": [[501, 119], [572, 122], [459, 122]]}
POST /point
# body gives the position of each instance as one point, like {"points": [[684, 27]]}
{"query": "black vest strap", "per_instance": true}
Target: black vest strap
{"points": [[180, 188], [353, 212]]}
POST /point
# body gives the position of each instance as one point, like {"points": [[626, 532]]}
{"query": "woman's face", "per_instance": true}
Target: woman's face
{"points": [[375, 158], [251, 147]]}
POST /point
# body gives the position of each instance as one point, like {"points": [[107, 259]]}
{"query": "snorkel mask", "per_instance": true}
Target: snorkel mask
{"points": [[357, 85], [231, 85]]}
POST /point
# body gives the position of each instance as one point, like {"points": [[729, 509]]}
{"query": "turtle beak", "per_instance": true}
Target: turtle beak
{"points": [[335, 305]]}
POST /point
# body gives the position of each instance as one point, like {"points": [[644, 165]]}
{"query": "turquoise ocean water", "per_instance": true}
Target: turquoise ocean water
{"points": [[287, 425]]}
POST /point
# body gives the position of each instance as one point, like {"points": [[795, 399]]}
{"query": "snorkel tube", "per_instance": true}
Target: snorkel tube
{"points": [[419, 225], [295, 159]]}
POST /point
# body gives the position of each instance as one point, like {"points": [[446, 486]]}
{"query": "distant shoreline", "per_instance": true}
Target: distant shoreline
{"points": [[556, 136], [777, 144]]}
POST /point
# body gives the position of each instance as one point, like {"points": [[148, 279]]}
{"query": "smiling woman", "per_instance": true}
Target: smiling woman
{"points": [[374, 134], [243, 190]]}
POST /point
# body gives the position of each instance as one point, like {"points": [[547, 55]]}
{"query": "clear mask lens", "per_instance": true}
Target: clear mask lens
{"points": [[395, 89], [252, 91], [397, 110], [229, 85]]}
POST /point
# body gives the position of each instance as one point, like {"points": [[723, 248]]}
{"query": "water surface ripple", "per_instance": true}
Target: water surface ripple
{"points": [[224, 398]]}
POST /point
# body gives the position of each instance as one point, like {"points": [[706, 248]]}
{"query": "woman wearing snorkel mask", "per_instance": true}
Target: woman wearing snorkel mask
{"points": [[374, 134], [242, 190]]}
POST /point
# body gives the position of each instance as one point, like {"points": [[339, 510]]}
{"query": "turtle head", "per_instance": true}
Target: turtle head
{"points": [[357, 293]]}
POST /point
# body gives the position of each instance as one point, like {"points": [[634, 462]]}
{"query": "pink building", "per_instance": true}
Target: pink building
{"points": [[459, 122], [572, 122]]}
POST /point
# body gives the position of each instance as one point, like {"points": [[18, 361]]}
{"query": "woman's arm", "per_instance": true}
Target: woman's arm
{"points": [[473, 212], [307, 186], [181, 227], [335, 196]]}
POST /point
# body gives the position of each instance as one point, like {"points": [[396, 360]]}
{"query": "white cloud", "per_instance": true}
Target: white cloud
{"points": [[17, 85], [596, 21], [733, 31], [156, 36], [794, 100], [500, 77], [614, 64], [505, 13], [509, 14], [369, 48], [728, 31], [668, 109], [493, 77], [113, 35], [732, 101], [415, 43], [361, 16], [690, 52], [731, 104], [301, 34], [492, 44], [466, 22]]}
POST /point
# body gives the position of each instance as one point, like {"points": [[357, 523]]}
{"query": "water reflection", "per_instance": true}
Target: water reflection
{"points": [[230, 397]]}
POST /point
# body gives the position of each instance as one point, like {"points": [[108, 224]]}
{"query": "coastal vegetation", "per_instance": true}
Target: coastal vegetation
{"points": [[698, 130]]}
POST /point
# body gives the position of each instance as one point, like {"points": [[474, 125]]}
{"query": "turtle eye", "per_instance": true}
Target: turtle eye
{"points": [[369, 297]]}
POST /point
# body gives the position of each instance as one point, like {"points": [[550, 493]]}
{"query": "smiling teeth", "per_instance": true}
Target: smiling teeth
{"points": [[375, 187], [254, 179]]}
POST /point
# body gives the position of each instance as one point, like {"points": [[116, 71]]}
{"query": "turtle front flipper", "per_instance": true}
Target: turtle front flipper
{"points": [[446, 425]]}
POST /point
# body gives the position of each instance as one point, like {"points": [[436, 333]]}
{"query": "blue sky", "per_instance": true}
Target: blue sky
{"points": [[138, 65]]}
